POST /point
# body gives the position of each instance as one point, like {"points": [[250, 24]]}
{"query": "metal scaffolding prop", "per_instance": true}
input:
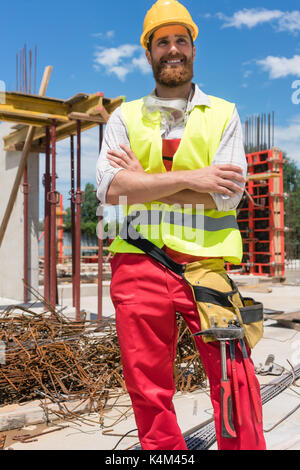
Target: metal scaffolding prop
{"points": [[41, 123]]}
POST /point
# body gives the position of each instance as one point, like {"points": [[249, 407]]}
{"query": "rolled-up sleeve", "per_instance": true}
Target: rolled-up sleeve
{"points": [[231, 150], [115, 134]]}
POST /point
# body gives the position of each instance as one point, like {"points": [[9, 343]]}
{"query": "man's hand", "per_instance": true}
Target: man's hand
{"points": [[220, 179], [126, 159]]}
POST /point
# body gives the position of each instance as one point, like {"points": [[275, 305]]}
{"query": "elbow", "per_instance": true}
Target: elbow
{"points": [[114, 196], [227, 203]]}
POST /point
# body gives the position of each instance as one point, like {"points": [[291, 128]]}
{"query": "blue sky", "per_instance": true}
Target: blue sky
{"points": [[247, 52]]}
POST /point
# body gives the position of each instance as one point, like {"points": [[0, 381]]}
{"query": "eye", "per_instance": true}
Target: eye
{"points": [[162, 42], [182, 41]]}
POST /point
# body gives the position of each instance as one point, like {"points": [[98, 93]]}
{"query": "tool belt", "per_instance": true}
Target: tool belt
{"points": [[215, 306]]}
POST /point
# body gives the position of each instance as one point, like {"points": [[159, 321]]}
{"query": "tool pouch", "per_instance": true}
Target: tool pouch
{"points": [[223, 303]]}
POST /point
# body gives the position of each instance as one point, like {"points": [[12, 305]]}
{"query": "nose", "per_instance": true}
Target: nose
{"points": [[173, 48]]}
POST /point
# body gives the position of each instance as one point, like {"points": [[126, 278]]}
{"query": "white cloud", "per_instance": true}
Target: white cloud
{"points": [[142, 64], [279, 67], [249, 18], [121, 60], [121, 71], [247, 73], [290, 21], [287, 138], [108, 35], [281, 20]]}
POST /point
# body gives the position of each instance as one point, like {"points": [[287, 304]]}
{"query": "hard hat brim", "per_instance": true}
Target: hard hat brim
{"points": [[192, 27]]}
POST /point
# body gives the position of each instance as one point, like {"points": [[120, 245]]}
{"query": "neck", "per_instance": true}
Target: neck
{"points": [[182, 91]]}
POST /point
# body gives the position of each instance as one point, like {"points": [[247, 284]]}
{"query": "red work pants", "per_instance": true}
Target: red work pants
{"points": [[146, 297]]}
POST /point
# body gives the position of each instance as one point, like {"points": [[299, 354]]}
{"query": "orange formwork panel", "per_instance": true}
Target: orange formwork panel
{"points": [[261, 216]]}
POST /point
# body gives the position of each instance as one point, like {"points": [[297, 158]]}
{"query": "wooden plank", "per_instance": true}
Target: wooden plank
{"points": [[30, 118], [100, 110], [24, 157], [290, 320], [16, 139], [255, 288], [85, 117], [263, 176], [35, 103], [89, 103]]}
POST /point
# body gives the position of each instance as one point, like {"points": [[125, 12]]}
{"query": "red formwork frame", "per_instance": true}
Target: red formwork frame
{"points": [[261, 221]]}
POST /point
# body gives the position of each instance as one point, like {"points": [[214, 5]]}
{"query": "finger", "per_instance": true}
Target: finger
{"points": [[117, 161], [114, 165], [128, 151], [225, 191], [116, 153], [230, 167], [121, 159], [231, 175], [232, 186]]}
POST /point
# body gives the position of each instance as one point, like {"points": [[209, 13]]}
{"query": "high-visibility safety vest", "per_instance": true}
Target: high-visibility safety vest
{"points": [[197, 232]]}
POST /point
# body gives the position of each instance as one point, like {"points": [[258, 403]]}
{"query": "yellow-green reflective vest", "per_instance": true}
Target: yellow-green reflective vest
{"points": [[207, 233]]}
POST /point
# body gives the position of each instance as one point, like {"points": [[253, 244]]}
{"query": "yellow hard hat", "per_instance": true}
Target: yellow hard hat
{"points": [[165, 12]]}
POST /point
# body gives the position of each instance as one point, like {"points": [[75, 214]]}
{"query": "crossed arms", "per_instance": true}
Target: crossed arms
{"points": [[180, 187]]}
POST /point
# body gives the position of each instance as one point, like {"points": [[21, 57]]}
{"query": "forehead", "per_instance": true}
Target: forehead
{"points": [[170, 30]]}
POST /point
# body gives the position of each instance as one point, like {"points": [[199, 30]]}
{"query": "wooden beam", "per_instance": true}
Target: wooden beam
{"points": [[263, 176], [89, 103], [85, 117], [24, 157], [16, 139], [28, 117], [36, 103], [100, 110]]}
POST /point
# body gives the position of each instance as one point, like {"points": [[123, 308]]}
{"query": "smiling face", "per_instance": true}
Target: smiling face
{"points": [[172, 56]]}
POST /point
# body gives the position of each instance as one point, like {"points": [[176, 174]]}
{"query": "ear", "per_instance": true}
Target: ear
{"points": [[148, 56], [194, 52]]}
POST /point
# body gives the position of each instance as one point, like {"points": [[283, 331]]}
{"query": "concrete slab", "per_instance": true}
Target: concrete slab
{"points": [[193, 408]]}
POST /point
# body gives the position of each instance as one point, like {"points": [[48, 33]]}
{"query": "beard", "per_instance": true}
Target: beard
{"points": [[173, 76]]}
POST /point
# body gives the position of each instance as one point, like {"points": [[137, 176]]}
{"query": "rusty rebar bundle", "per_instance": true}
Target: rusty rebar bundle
{"points": [[50, 356]]}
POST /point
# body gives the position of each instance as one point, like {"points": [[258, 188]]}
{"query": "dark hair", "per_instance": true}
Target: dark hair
{"points": [[149, 42]]}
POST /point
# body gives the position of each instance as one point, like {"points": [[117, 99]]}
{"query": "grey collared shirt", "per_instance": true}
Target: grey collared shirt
{"points": [[231, 149]]}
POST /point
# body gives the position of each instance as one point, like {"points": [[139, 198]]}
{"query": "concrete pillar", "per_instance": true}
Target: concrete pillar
{"points": [[12, 249]]}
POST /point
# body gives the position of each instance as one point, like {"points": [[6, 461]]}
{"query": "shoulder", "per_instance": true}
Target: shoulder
{"points": [[220, 102], [134, 104]]}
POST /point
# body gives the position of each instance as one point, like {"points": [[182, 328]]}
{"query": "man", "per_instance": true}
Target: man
{"points": [[175, 146]]}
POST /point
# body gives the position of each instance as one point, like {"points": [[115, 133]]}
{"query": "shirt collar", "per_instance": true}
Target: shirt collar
{"points": [[199, 98]]}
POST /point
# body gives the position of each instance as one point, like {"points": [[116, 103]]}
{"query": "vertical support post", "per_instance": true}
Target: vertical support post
{"points": [[78, 201], [72, 193], [60, 233], [53, 201], [25, 225], [47, 213], [100, 244]]}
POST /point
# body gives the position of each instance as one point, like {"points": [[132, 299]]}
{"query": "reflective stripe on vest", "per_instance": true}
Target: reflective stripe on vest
{"points": [[195, 221]]}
